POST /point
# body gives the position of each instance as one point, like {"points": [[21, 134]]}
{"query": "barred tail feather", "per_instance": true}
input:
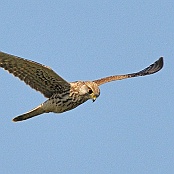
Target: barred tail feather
{"points": [[34, 112]]}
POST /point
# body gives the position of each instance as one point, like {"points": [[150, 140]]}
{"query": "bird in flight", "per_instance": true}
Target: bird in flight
{"points": [[62, 95]]}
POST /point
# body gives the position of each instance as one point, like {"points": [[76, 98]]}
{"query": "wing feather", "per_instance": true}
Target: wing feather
{"points": [[37, 76], [153, 68]]}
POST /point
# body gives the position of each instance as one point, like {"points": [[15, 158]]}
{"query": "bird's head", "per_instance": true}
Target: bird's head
{"points": [[90, 90]]}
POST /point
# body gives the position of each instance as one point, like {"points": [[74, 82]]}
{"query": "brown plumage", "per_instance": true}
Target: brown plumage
{"points": [[63, 96]]}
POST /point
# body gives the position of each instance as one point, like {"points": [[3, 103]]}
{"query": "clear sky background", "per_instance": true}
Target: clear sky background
{"points": [[130, 127]]}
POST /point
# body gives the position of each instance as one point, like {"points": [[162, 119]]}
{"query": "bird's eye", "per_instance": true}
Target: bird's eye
{"points": [[90, 91]]}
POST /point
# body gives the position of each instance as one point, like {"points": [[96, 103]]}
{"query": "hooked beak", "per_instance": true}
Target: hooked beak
{"points": [[94, 98]]}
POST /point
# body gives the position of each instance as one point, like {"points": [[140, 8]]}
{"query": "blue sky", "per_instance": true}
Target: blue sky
{"points": [[130, 128]]}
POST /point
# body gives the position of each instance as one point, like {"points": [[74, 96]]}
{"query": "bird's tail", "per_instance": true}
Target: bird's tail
{"points": [[34, 112]]}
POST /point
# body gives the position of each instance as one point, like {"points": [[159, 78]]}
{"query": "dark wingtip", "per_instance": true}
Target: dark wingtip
{"points": [[155, 67], [161, 61]]}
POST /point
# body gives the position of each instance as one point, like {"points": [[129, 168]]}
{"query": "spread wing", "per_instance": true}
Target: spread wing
{"points": [[153, 68], [37, 76]]}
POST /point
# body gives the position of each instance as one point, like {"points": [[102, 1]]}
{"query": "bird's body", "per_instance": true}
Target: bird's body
{"points": [[77, 95], [62, 95]]}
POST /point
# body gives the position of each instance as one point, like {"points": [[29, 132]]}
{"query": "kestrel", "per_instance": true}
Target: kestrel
{"points": [[62, 95]]}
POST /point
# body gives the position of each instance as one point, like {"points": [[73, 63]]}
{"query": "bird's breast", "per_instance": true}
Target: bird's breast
{"points": [[60, 103]]}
